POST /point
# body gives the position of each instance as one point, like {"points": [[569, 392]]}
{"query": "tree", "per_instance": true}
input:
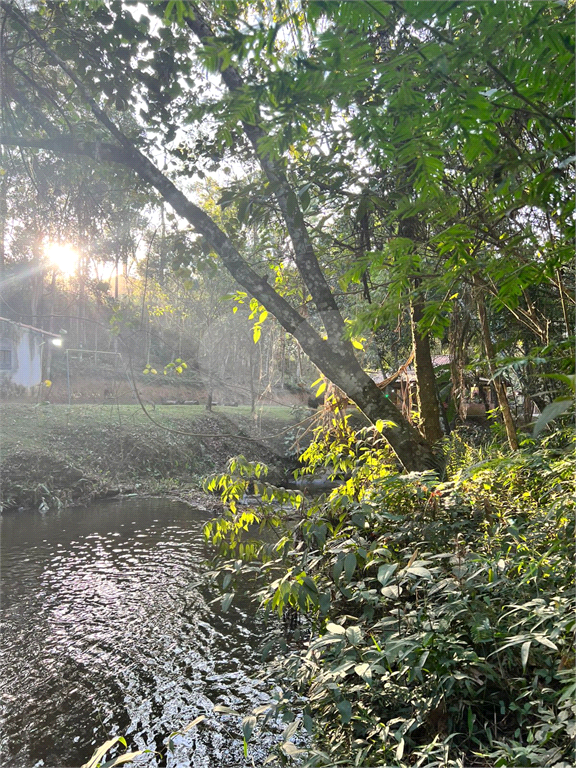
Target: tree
{"points": [[389, 90], [334, 355]]}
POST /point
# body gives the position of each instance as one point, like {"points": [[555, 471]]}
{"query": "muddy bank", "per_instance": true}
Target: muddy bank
{"points": [[63, 462]]}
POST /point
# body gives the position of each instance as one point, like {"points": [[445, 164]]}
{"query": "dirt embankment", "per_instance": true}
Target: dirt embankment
{"points": [[55, 455]]}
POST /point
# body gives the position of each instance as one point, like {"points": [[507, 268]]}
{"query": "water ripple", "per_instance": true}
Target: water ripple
{"points": [[102, 635]]}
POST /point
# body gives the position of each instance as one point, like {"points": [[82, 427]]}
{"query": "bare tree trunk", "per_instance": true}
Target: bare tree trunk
{"points": [[116, 278], [499, 385]]}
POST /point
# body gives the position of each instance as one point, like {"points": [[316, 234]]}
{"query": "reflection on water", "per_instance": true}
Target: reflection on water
{"points": [[103, 634]]}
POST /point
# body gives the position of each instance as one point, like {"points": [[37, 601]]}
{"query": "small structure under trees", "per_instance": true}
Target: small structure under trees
{"points": [[21, 355]]}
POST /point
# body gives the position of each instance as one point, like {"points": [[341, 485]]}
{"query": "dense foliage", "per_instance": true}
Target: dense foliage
{"points": [[426, 621]]}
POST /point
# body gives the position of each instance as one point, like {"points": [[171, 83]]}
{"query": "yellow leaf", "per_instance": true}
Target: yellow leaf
{"points": [[193, 723], [414, 556]]}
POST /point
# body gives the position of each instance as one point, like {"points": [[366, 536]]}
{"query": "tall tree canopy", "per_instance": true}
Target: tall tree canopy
{"points": [[442, 133]]}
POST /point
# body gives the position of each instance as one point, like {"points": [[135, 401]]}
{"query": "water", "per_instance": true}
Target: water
{"points": [[104, 634]]}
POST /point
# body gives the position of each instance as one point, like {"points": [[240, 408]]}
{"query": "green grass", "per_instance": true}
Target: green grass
{"points": [[26, 427]]}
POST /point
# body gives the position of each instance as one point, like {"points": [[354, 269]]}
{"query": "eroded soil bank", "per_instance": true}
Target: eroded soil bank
{"points": [[59, 455]]}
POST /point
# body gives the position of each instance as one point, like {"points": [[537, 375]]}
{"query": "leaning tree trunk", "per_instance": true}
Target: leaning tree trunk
{"points": [[343, 370], [499, 385]]}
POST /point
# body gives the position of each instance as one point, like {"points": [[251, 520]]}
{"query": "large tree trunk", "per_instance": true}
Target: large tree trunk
{"points": [[410, 447], [427, 394], [334, 357], [425, 378]]}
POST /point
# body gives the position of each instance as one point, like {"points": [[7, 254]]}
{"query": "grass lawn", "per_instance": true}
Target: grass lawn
{"points": [[26, 427]]}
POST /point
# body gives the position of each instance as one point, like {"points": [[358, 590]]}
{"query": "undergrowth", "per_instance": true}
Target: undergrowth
{"points": [[426, 621]]}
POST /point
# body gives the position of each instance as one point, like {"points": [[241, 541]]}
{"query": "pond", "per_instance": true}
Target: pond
{"points": [[105, 633]]}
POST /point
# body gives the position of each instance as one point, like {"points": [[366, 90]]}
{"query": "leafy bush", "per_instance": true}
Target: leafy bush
{"points": [[436, 619]]}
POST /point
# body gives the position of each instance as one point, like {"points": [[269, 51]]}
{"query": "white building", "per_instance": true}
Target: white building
{"points": [[21, 353]]}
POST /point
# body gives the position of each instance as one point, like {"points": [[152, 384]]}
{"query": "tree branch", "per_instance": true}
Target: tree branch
{"points": [[304, 254]]}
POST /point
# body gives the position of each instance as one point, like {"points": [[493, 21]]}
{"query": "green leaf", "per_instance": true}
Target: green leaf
{"points": [[100, 752], [550, 412], [363, 670], [290, 749], [354, 635], [308, 723], [222, 709], [524, 653], [349, 566], [227, 601], [345, 709], [248, 725], [335, 629], [193, 724], [545, 641], [290, 730], [418, 570], [385, 572]]}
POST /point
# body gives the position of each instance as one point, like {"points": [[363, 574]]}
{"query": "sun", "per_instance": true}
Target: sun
{"points": [[63, 256]]}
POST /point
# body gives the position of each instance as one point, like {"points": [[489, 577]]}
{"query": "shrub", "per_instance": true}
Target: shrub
{"points": [[436, 618]]}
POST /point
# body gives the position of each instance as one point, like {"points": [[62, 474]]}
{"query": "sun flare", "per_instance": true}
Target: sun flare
{"points": [[63, 256]]}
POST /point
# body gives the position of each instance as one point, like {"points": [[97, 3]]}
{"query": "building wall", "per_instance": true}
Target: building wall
{"points": [[25, 355]]}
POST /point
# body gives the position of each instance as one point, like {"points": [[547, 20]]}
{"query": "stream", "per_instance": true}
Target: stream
{"points": [[104, 633]]}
